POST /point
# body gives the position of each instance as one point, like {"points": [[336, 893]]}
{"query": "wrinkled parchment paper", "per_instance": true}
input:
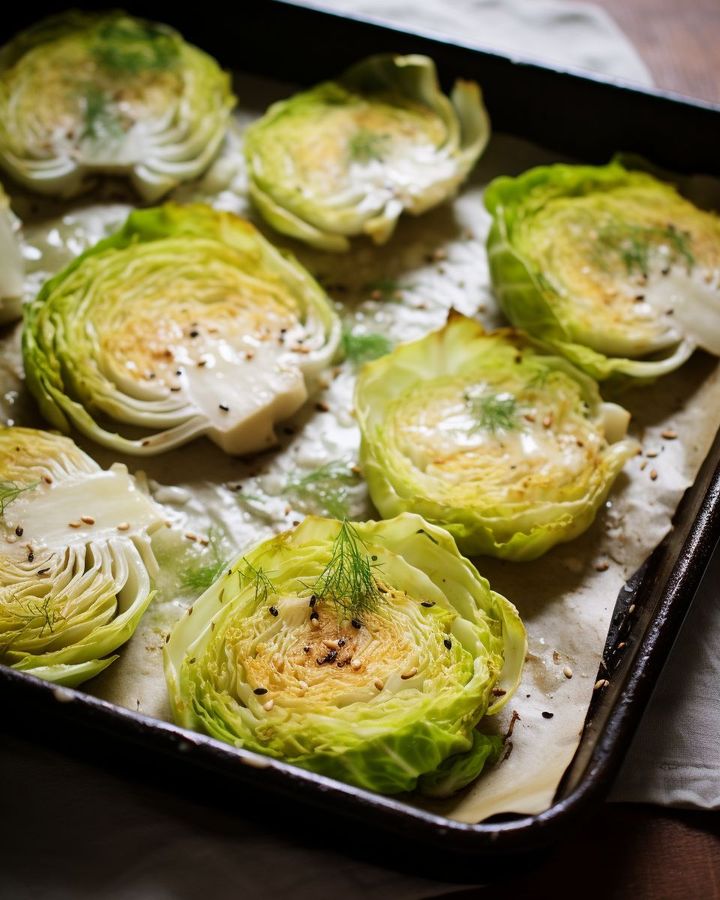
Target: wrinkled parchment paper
{"points": [[403, 290]]}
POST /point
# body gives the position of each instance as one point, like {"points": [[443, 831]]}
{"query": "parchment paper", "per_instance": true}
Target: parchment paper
{"points": [[403, 290]]}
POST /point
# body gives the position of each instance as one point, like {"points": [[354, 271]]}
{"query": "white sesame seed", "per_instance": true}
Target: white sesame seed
{"points": [[303, 685], [269, 705], [409, 674], [88, 520], [123, 526], [74, 524], [355, 663], [379, 684], [601, 683], [568, 672], [332, 645], [314, 623]]}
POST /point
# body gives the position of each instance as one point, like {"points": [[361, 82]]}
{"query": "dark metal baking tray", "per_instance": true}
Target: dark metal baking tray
{"points": [[572, 114]]}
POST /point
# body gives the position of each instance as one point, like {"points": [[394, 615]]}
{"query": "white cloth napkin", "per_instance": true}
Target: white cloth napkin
{"points": [[568, 35], [675, 757]]}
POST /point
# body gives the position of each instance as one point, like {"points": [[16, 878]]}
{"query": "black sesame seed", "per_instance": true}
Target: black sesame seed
{"points": [[313, 601], [547, 715], [19, 531], [273, 611], [341, 642], [314, 615], [373, 558], [355, 623], [31, 556], [427, 603], [306, 649], [331, 656], [224, 407], [260, 691], [448, 643], [194, 333]]}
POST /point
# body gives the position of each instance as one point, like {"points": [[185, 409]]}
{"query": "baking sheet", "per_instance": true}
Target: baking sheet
{"points": [[402, 290]]}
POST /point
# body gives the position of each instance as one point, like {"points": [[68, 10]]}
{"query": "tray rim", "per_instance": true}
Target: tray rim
{"points": [[524, 831]]}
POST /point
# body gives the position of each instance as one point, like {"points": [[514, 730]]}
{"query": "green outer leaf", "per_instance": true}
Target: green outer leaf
{"points": [[65, 374], [69, 674], [511, 531], [524, 295], [456, 772], [382, 744], [329, 226]]}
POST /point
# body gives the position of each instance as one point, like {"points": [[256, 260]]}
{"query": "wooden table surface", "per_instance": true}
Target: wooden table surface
{"points": [[679, 41]]}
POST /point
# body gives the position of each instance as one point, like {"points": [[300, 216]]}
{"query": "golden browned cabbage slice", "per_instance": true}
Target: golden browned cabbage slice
{"points": [[508, 447], [83, 94], [365, 651], [349, 156]]}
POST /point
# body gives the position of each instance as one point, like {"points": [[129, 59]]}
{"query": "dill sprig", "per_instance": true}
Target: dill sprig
{"points": [[10, 491], [100, 119], [360, 348], [34, 613], [327, 487], [264, 588], [493, 412], [126, 47], [200, 577], [347, 581], [366, 145], [634, 244]]}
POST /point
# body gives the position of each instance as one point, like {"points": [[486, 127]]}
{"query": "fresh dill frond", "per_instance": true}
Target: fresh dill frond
{"points": [[366, 145], [493, 412], [541, 378], [99, 116], [33, 613], [256, 576], [347, 581], [127, 47], [10, 491], [326, 489], [200, 577], [635, 244], [360, 348]]}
